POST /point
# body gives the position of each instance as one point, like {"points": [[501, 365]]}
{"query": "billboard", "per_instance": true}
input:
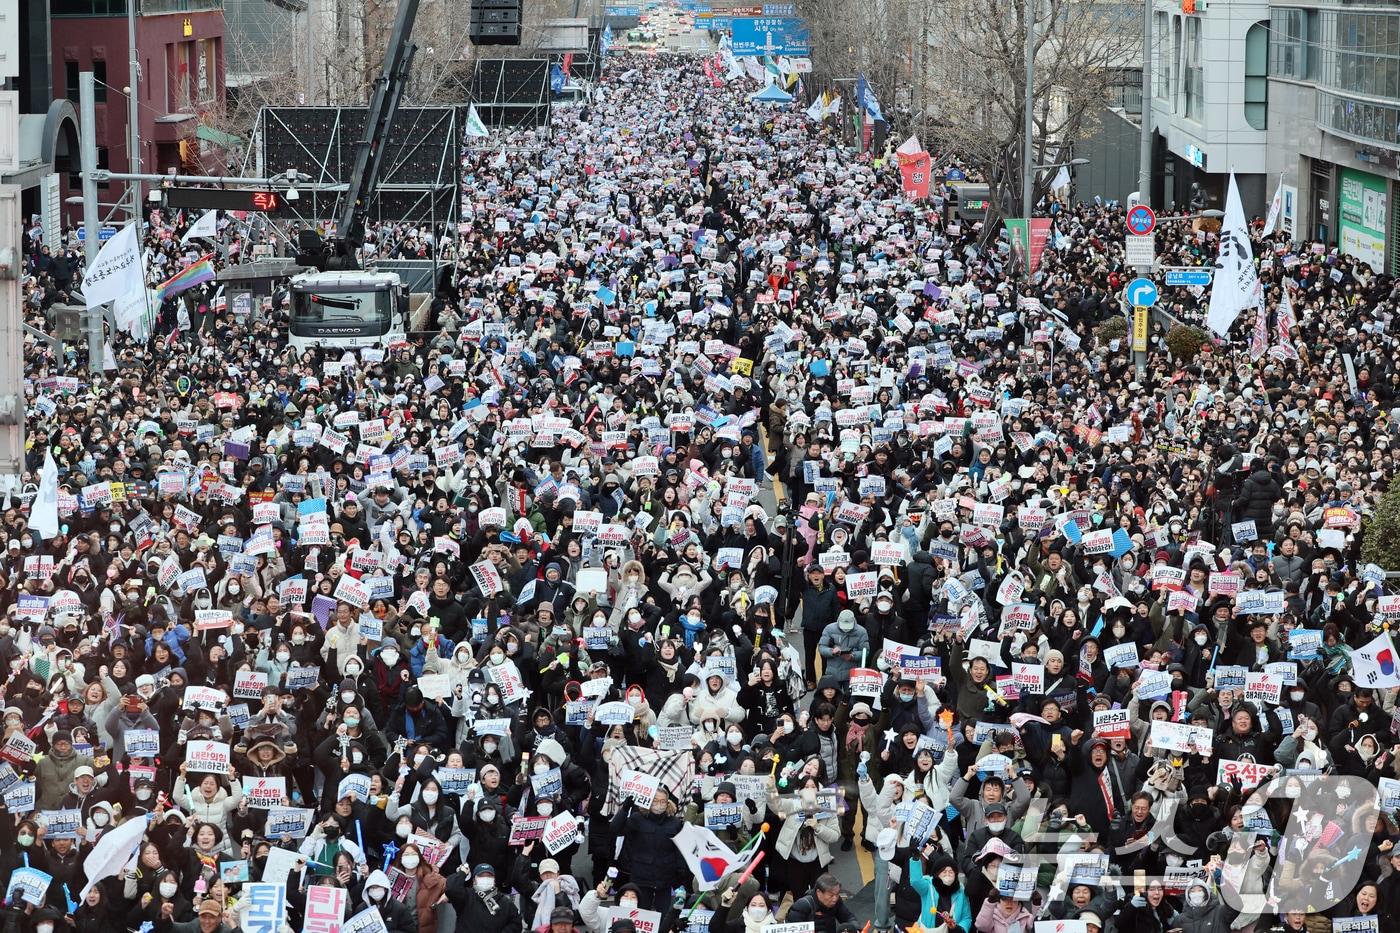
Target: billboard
{"points": [[1362, 217], [770, 35]]}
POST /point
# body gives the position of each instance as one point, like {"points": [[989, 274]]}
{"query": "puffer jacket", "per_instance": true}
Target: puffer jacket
{"points": [[648, 853], [214, 811]]}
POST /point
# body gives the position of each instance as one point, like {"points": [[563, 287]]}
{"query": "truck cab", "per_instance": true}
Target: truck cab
{"points": [[347, 309]]}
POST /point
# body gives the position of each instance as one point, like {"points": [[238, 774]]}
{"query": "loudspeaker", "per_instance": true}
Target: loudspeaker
{"points": [[495, 22]]}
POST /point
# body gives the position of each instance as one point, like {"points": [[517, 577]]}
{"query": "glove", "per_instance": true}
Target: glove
{"points": [[752, 805], [862, 771], [1139, 901]]}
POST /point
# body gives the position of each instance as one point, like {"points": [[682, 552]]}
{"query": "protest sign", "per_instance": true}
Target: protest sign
{"points": [[203, 757], [560, 832], [288, 822], [264, 793]]}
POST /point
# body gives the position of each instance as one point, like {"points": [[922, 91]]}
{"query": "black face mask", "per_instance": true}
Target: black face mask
{"points": [[333, 831]]}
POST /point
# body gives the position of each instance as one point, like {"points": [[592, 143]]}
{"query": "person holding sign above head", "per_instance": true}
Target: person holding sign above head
{"points": [[210, 801]]}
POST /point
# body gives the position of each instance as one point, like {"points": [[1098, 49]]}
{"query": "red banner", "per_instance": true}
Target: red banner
{"points": [[914, 174], [1040, 233], [567, 63]]}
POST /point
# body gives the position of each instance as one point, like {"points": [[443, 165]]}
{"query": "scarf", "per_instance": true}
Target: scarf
{"points": [[855, 738], [751, 927], [545, 899]]}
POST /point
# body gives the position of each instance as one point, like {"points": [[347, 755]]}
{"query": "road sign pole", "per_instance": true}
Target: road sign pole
{"points": [[1141, 223]]}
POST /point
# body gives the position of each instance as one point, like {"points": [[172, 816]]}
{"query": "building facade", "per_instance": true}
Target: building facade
{"points": [[1210, 101], [1334, 113], [181, 89]]}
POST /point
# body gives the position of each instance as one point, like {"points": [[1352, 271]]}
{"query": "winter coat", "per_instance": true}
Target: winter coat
{"points": [[1256, 500], [856, 642], [648, 853], [991, 918], [216, 811], [431, 886], [54, 776], [928, 898]]}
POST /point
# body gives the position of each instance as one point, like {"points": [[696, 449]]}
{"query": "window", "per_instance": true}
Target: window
{"points": [[99, 81], [1176, 64], [103, 162], [1161, 64], [1289, 52], [70, 80], [1256, 76], [1193, 85]]}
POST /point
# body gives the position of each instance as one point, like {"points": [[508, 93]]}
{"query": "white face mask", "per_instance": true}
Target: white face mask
{"points": [[996, 826], [735, 737], [546, 809], [484, 885], [100, 818], [167, 888], [1202, 639], [410, 860], [541, 767], [488, 747], [1195, 897], [357, 758], [143, 794], [389, 657], [430, 796], [418, 759], [402, 830], [376, 894], [627, 902], [284, 656], [756, 912], [488, 816], [347, 696]]}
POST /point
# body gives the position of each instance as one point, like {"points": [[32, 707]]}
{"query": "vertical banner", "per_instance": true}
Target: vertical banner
{"points": [[325, 909], [914, 174], [267, 908]]}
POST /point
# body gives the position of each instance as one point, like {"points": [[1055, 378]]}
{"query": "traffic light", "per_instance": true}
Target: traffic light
{"points": [[495, 22]]}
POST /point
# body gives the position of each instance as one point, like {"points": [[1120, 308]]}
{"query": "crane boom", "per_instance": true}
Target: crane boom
{"points": [[369, 150]]}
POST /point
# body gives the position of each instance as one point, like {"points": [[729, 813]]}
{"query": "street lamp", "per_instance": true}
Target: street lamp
{"points": [[1068, 164]]}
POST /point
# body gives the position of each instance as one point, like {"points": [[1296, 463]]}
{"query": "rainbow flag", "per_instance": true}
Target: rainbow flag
{"points": [[195, 274]]}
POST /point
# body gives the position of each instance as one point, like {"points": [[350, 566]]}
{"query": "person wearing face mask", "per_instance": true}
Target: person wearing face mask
{"points": [[482, 907], [398, 917], [756, 913], [1202, 911], [941, 896], [576, 784], [166, 902], [391, 674], [425, 891], [648, 858], [843, 645], [485, 824]]}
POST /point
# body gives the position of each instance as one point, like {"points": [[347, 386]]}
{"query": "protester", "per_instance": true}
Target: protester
{"points": [[733, 503]]}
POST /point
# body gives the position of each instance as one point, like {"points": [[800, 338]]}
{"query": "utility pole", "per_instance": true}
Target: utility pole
{"points": [[91, 222], [133, 114], [1027, 157], [11, 339], [1145, 140], [1145, 158]]}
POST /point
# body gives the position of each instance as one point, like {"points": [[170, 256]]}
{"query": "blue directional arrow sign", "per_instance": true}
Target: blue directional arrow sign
{"points": [[1188, 277], [1141, 293]]}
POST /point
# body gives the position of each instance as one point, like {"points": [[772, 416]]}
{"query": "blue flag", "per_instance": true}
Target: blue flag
{"points": [[556, 79]]}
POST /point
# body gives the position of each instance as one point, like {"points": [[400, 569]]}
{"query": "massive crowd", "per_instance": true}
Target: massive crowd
{"points": [[737, 501]]}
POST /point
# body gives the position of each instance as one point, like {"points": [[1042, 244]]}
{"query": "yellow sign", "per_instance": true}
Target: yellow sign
{"points": [[1140, 317], [189, 27], [741, 366]]}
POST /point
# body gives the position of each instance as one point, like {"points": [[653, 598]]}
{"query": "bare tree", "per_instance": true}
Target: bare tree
{"points": [[976, 65]]}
